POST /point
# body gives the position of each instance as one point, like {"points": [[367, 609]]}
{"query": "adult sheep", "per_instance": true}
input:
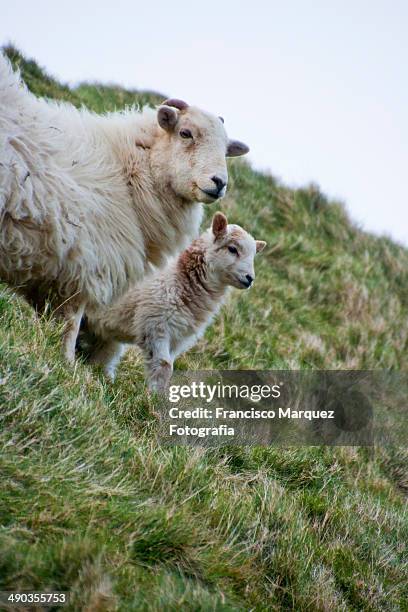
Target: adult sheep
{"points": [[87, 202]]}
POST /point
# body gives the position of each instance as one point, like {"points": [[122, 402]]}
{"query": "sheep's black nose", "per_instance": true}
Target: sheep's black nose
{"points": [[249, 279], [219, 182]]}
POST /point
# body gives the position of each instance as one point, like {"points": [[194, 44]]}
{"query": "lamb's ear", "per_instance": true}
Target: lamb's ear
{"points": [[236, 148], [260, 245], [219, 225], [167, 118]]}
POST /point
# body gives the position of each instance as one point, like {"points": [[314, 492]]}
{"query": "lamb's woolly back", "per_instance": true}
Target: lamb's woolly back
{"points": [[182, 293]]}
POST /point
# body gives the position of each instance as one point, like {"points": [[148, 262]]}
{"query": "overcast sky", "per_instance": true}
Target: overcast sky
{"points": [[319, 90]]}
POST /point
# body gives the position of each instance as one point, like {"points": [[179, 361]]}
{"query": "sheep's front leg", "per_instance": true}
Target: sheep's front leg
{"points": [[71, 313], [159, 365], [109, 355]]}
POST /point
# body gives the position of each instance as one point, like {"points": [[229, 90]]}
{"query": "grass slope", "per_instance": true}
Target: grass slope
{"points": [[91, 504]]}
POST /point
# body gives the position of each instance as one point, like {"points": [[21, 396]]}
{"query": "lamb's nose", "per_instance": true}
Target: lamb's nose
{"points": [[219, 182], [250, 279]]}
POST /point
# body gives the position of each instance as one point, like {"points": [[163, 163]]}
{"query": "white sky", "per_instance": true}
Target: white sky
{"points": [[318, 89]]}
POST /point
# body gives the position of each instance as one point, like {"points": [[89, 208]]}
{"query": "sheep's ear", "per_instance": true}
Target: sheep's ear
{"points": [[236, 148], [219, 225], [260, 245], [167, 118]]}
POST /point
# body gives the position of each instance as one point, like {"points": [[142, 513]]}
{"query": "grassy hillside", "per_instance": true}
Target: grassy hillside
{"points": [[91, 504]]}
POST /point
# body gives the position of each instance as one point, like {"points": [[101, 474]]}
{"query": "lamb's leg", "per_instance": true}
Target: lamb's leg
{"points": [[71, 312], [109, 355], [159, 365]]}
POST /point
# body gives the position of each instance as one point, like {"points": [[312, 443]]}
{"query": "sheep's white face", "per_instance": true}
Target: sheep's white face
{"points": [[230, 255], [189, 153]]}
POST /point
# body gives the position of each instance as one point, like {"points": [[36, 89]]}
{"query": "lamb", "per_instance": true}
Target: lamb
{"points": [[88, 203], [168, 312]]}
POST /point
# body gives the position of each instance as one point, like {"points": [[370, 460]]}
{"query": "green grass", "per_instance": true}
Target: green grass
{"points": [[90, 503], [101, 98]]}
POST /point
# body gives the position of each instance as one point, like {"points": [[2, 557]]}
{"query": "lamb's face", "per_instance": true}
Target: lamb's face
{"points": [[230, 256], [190, 152]]}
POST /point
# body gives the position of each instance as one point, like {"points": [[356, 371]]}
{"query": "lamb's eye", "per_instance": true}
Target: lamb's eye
{"points": [[186, 134], [233, 250]]}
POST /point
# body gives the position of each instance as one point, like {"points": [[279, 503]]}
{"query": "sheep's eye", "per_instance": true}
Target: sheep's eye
{"points": [[186, 134], [233, 250]]}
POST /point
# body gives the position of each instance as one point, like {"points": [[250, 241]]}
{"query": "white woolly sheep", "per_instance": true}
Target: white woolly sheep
{"points": [[87, 202], [166, 314]]}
